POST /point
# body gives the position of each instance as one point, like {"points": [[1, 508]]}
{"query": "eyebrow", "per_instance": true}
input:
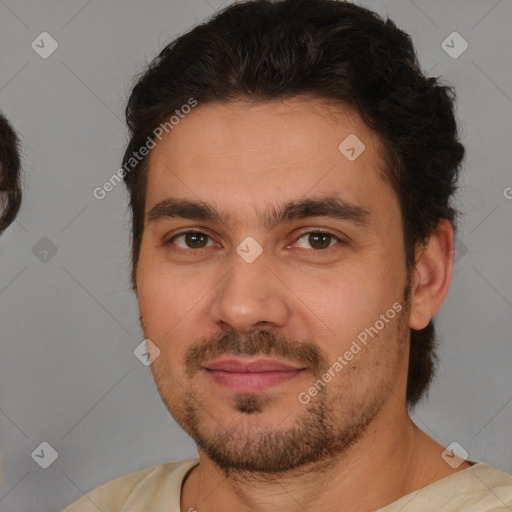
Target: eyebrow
{"points": [[330, 207]]}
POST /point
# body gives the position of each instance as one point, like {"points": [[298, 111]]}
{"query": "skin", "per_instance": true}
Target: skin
{"points": [[243, 159]]}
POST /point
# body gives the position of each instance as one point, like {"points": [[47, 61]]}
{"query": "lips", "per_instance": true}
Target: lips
{"points": [[250, 375], [250, 366]]}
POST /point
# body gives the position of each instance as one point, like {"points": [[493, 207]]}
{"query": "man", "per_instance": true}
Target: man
{"points": [[290, 171]]}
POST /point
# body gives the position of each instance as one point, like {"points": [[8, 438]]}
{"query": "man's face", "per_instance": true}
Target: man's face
{"points": [[211, 302]]}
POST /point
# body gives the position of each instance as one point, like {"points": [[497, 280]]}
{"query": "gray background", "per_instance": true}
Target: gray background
{"points": [[69, 321]]}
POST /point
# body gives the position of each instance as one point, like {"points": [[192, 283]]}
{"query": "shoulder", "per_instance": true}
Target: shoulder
{"points": [[164, 479], [493, 485], [480, 488]]}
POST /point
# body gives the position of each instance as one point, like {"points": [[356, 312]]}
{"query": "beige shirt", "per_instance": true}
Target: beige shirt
{"points": [[480, 488]]}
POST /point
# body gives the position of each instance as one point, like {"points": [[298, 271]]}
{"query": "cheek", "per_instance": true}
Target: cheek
{"points": [[164, 315], [343, 303], [344, 312], [164, 300]]}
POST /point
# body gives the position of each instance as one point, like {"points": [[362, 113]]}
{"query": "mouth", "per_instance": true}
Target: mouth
{"points": [[251, 375]]}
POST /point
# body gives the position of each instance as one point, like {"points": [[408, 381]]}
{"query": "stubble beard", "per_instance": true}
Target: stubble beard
{"points": [[250, 447], [318, 436]]}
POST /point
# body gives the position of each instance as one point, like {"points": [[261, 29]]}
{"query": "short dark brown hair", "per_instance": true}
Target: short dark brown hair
{"points": [[10, 166], [263, 51]]}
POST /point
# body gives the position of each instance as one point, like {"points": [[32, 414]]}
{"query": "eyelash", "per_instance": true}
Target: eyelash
{"points": [[200, 250]]}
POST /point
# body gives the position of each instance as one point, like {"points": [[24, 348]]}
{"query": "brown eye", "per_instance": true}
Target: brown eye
{"points": [[318, 240], [192, 240], [195, 239]]}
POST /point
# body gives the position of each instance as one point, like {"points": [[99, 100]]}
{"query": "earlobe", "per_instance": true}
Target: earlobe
{"points": [[432, 275]]}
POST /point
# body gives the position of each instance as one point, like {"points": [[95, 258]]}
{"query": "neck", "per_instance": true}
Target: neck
{"points": [[393, 458]]}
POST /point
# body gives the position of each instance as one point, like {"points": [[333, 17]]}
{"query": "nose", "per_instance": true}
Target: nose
{"points": [[251, 296]]}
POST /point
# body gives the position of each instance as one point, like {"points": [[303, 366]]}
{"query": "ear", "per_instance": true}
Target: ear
{"points": [[432, 275]]}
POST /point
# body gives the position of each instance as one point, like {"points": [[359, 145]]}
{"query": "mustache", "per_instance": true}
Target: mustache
{"points": [[256, 343]]}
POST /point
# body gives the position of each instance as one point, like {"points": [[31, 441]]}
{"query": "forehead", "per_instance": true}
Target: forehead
{"points": [[268, 153]]}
